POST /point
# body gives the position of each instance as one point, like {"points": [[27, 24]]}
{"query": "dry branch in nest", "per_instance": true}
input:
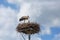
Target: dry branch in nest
{"points": [[28, 28]]}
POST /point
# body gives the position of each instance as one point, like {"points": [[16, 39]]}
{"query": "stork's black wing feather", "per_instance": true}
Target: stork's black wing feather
{"points": [[21, 19]]}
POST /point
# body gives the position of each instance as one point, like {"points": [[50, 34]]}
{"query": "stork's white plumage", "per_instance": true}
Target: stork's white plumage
{"points": [[24, 18]]}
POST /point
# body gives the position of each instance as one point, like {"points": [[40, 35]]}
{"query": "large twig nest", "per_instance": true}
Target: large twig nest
{"points": [[28, 28]]}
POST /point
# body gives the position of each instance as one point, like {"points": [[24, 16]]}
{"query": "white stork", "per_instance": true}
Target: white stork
{"points": [[23, 18]]}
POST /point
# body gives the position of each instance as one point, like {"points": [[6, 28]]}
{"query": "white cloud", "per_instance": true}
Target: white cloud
{"points": [[31, 9], [35, 38], [56, 22], [14, 1], [7, 22], [11, 1], [45, 31], [35, 9]]}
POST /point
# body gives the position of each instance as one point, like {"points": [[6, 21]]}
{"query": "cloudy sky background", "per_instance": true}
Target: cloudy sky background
{"points": [[44, 12]]}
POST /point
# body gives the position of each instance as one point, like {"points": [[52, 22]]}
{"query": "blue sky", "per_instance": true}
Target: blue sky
{"points": [[44, 12], [5, 3]]}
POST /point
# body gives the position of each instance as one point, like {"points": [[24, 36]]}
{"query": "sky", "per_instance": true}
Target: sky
{"points": [[45, 12]]}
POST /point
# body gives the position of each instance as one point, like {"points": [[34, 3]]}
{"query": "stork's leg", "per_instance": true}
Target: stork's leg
{"points": [[24, 21], [28, 21]]}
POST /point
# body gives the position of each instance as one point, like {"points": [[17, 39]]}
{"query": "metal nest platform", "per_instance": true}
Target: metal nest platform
{"points": [[28, 28]]}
